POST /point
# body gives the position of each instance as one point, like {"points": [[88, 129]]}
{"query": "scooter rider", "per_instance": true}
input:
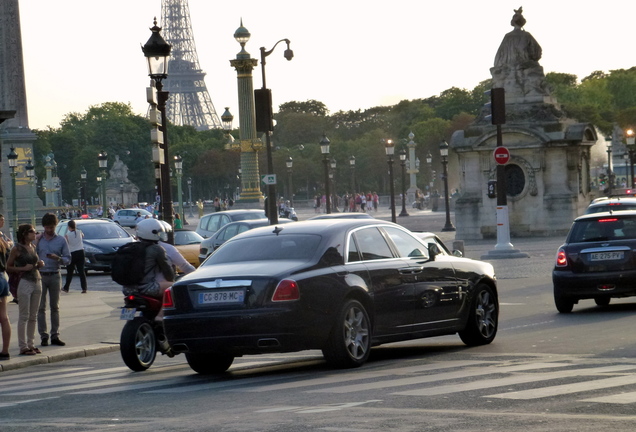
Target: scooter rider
{"points": [[158, 271]]}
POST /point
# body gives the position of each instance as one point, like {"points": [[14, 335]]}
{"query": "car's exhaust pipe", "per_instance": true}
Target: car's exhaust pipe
{"points": [[268, 343]]}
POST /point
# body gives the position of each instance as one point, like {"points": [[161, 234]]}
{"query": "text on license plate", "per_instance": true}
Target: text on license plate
{"points": [[606, 256], [128, 313], [220, 297]]}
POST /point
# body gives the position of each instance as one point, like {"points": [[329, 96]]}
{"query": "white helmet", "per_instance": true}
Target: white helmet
{"points": [[152, 230]]}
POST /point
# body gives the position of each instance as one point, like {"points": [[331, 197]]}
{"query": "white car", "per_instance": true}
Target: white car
{"points": [[128, 217]]}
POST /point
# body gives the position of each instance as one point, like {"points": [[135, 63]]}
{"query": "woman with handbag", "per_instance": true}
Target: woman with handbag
{"points": [[23, 259]]}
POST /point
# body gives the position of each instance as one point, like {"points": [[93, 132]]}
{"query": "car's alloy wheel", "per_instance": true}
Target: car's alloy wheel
{"points": [[137, 344], [483, 320], [349, 343]]}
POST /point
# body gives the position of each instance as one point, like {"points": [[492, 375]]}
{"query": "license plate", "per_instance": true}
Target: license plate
{"points": [[222, 297], [606, 256], [128, 313]]}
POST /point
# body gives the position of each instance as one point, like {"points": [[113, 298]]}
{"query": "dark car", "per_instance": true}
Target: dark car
{"points": [[597, 260], [341, 286], [102, 238], [211, 223], [210, 244]]}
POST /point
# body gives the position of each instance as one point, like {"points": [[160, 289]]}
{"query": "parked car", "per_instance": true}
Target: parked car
{"points": [[346, 215], [211, 223], [187, 243], [341, 286], [102, 238], [613, 203], [210, 244], [128, 217], [597, 260]]}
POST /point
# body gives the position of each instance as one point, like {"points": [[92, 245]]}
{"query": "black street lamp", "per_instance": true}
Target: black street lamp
{"points": [[83, 206], [190, 196], [102, 160], [352, 164], [403, 163], [389, 147], [290, 164], [443, 151], [332, 177], [121, 188], [30, 173], [609, 168], [157, 53], [324, 149], [263, 102], [12, 157], [631, 146], [178, 166]]}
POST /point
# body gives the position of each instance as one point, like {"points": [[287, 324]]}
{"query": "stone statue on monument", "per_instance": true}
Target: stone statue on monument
{"points": [[517, 67], [119, 170]]}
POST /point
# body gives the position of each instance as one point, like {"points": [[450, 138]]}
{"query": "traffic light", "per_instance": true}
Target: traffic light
{"points": [[602, 179], [263, 107], [497, 106]]}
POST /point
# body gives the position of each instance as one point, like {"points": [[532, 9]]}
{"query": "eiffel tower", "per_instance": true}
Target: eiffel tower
{"points": [[189, 102]]}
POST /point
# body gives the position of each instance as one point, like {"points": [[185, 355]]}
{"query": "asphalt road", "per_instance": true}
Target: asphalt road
{"points": [[544, 372]]}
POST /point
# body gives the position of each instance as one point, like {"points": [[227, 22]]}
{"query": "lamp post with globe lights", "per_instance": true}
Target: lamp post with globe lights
{"points": [[403, 163], [178, 165], [324, 149], [12, 158], [102, 160], [83, 206], [190, 196], [289, 163], [630, 140], [443, 151], [352, 164], [389, 148], [30, 173]]}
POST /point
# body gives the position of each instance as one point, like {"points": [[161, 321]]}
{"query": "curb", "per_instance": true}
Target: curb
{"points": [[68, 354]]}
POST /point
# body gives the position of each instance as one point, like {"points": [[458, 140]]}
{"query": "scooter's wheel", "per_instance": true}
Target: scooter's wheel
{"points": [[138, 345]]}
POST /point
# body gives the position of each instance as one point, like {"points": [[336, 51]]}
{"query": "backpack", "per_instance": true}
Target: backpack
{"points": [[129, 264]]}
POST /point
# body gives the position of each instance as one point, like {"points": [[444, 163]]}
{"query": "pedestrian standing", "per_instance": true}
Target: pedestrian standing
{"points": [[5, 247], [178, 224], [53, 249], [24, 259], [75, 240]]}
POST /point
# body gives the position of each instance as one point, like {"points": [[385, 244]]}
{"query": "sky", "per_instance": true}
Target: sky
{"points": [[348, 54]]}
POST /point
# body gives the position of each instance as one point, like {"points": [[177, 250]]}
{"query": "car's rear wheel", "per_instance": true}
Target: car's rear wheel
{"points": [[602, 300], [349, 343], [209, 363], [483, 320], [563, 304]]}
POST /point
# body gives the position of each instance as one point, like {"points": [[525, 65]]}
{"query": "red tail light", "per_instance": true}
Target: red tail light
{"points": [[287, 290], [561, 259], [167, 298]]}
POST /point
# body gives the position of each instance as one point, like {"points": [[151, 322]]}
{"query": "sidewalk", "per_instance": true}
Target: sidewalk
{"points": [[90, 324]]}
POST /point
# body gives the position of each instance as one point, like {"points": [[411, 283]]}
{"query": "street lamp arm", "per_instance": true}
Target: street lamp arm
{"points": [[289, 54]]}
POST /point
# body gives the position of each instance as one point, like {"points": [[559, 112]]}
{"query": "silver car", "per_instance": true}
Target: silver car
{"points": [[128, 217]]}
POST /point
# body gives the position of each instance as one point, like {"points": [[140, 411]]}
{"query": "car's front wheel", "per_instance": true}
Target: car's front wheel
{"points": [[349, 343], [209, 363], [483, 319]]}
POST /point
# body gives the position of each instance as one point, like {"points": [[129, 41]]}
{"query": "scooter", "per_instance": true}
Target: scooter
{"points": [[143, 335]]}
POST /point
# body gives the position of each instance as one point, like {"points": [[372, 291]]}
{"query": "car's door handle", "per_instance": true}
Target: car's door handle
{"points": [[411, 270]]}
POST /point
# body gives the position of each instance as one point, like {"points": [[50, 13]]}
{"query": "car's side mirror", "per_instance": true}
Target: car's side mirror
{"points": [[458, 253]]}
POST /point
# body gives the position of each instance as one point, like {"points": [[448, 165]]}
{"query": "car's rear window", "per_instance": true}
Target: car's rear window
{"points": [[608, 228], [610, 207], [102, 231], [299, 247], [248, 216]]}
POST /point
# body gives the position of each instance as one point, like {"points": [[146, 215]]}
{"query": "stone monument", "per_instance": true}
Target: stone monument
{"points": [[548, 176], [14, 132], [119, 188]]}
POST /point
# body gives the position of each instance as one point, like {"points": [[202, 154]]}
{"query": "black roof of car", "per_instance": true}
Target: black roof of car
{"points": [[317, 226]]}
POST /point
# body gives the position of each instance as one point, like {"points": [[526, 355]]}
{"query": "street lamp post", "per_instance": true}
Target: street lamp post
{"points": [[403, 163], [121, 188], [30, 172], [178, 165], [352, 164], [332, 176], [12, 157], [324, 149], [264, 123], [443, 151], [631, 146], [290, 163], [157, 53], [389, 147], [190, 196], [102, 160], [83, 206], [609, 168]]}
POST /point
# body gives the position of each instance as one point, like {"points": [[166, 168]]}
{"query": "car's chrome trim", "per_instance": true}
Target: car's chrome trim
{"points": [[220, 283], [605, 249]]}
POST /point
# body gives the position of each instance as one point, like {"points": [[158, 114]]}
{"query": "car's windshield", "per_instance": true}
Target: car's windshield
{"points": [[609, 228], [299, 247], [102, 231]]}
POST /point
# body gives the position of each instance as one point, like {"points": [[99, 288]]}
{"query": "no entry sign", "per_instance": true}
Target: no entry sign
{"points": [[501, 155]]}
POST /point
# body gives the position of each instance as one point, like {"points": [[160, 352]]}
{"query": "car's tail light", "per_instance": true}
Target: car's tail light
{"points": [[167, 298], [203, 251], [287, 290], [561, 258]]}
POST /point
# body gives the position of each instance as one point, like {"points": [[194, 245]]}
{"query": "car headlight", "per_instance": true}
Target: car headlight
{"points": [[91, 249]]}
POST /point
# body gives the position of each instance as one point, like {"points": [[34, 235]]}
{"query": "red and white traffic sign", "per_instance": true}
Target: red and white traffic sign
{"points": [[501, 155]]}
